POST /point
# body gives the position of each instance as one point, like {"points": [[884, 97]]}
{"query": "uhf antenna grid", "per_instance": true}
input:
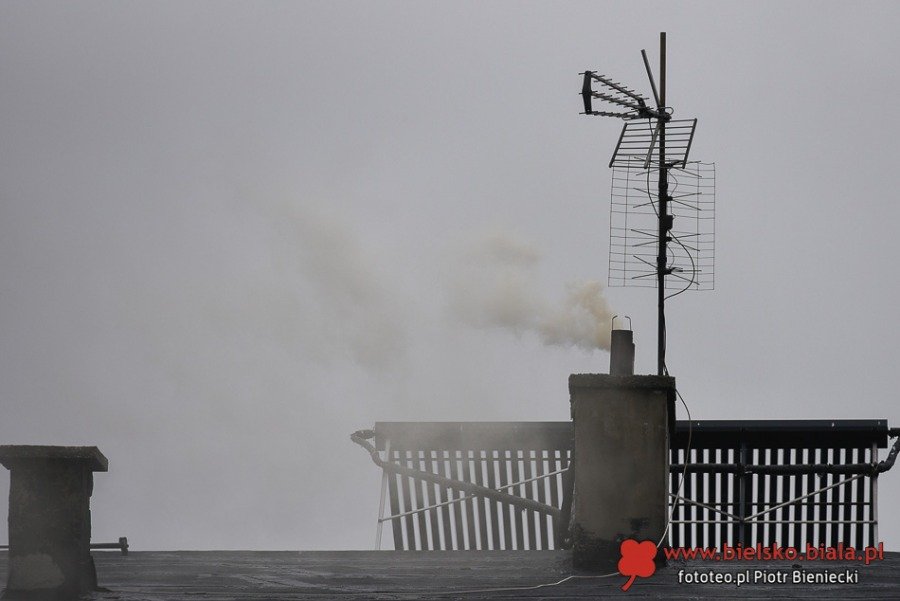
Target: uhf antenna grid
{"points": [[634, 221], [639, 140]]}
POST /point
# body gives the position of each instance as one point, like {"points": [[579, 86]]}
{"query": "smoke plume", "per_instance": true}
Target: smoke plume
{"points": [[495, 284], [342, 282]]}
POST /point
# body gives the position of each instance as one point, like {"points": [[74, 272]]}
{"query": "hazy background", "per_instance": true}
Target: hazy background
{"points": [[233, 233]]}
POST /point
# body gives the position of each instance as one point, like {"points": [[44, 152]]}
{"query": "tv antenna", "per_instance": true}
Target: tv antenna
{"points": [[641, 223]]}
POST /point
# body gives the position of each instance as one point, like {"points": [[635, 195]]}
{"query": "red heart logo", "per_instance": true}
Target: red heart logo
{"points": [[637, 560]]}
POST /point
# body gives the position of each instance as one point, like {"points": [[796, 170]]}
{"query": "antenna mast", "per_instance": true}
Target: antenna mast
{"points": [[665, 221], [642, 148]]}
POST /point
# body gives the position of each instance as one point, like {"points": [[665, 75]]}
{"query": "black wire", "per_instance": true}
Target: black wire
{"points": [[690, 256], [687, 460], [662, 318], [693, 269]]}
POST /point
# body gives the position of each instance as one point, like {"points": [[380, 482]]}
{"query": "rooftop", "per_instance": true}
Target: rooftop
{"points": [[357, 575]]}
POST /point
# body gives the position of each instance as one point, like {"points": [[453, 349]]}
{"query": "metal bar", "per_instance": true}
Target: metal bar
{"points": [[717, 490], [469, 435], [659, 125], [745, 498], [663, 217], [519, 517], [822, 506], [834, 534], [618, 145], [846, 493], [421, 500], [702, 512], [424, 534], [733, 496], [760, 486], [807, 495], [494, 506], [471, 505], [457, 497], [384, 480], [394, 498], [860, 496], [784, 483], [825, 522], [702, 522], [796, 485], [705, 482], [690, 511], [687, 205], [771, 522], [841, 503], [690, 141], [483, 510], [541, 497], [865, 469], [565, 514], [122, 545], [686, 194], [444, 493], [432, 497], [650, 77], [874, 498], [687, 501], [529, 494], [407, 504], [674, 533], [555, 465], [506, 518], [772, 485], [822, 512], [809, 510]]}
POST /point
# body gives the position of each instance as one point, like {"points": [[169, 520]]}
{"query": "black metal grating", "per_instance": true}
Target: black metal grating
{"points": [[488, 454], [721, 475], [837, 508]]}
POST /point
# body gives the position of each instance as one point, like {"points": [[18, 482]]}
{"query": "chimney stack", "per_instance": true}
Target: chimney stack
{"points": [[621, 424]]}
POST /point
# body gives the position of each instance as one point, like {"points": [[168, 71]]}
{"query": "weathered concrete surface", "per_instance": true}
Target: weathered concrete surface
{"points": [[621, 463], [381, 575], [50, 519]]}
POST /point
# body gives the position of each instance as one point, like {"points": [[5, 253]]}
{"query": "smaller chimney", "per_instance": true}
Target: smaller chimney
{"points": [[621, 354]]}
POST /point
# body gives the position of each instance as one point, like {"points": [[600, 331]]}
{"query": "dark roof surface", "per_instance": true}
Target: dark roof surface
{"points": [[357, 575]]}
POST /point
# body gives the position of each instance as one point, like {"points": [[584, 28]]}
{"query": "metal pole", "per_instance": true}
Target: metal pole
{"points": [[745, 486], [664, 220], [384, 482], [873, 499]]}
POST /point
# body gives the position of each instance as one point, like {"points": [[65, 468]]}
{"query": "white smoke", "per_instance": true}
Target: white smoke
{"points": [[495, 284], [345, 281]]}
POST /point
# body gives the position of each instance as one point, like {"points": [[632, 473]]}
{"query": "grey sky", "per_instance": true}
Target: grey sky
{"points": [[229, 232]]}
